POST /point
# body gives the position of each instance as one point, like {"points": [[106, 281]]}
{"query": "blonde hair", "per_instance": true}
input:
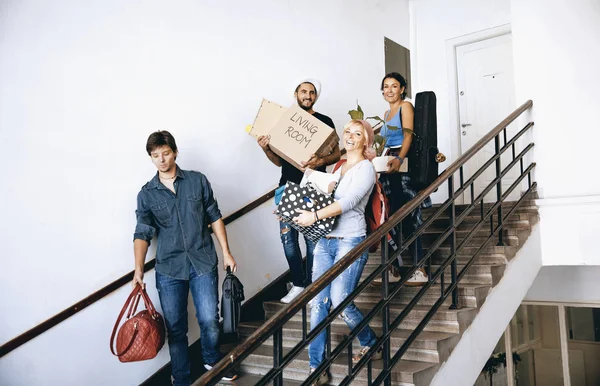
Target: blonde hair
{"points": [[368, 151]]}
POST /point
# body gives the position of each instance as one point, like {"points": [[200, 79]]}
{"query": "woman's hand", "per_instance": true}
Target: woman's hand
{"points": [[304, 218], [394, 165]]}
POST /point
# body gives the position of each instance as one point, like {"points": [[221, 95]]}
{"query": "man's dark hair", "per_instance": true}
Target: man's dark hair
{"points": [[298, 87], [399, 78], [160, 138]]}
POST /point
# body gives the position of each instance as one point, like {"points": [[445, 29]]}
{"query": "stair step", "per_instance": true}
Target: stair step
{"points": [[470, 295], [476, 274], [475, 216], [247, 379], [424, 348], [405, 372], [525, 207], [445, 320]]}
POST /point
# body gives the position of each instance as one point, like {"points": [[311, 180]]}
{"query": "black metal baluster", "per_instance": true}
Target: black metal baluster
{"points": [[304, 323], [328, 340], [278, 355], [386, 309], [499, 188], [453, 268], [350, 358], [462, 177], [521, 163]]}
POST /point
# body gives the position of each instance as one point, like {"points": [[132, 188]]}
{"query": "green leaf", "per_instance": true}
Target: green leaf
{"points": [[379, 144], [376, 118], [358, 113]]}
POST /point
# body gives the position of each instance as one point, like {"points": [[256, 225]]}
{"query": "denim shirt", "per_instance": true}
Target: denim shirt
{"points": [[180, 221]]}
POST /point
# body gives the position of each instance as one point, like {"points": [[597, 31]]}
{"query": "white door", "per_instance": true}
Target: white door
{"points": [[486, 96]]}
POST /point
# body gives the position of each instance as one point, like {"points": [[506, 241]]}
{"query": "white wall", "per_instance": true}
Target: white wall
{"points": [[85, 83], [433, 24], [557, 57], [566, 285]]}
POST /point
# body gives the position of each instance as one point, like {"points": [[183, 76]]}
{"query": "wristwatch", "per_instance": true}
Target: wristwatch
{"points": [[400, 158]]}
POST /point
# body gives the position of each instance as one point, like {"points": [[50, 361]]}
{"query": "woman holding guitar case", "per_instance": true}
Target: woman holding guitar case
{"points": [[398, 187]]}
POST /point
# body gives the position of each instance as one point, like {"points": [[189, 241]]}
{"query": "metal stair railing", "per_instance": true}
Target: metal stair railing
{"points": [[273, 327]]}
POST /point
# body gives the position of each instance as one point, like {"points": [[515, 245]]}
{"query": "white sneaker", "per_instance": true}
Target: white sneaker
{"points": [[322, 379], [294, 292], [393, 278], [229, 376], [418, 279]]}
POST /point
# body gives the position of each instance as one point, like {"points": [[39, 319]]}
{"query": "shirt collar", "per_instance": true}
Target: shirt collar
{"points": [[155, 182]]}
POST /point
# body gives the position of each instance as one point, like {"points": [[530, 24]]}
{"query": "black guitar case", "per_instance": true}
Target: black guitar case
{"points": [[422, 165]]}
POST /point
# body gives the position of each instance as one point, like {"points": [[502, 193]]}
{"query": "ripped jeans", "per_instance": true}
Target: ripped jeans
{"points": [[327, 253], [291, 248]]}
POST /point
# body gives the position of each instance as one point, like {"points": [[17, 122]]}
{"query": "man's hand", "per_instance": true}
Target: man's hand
{"points": [[229, 261], [394, 165], [138, 278], [263, 141], [313, 162]]}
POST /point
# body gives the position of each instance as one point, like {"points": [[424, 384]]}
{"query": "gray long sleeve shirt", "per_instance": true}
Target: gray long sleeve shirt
{"points": [[352, 193]]}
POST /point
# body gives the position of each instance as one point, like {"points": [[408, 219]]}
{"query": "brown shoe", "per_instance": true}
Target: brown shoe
{"points": [[363, 351]]}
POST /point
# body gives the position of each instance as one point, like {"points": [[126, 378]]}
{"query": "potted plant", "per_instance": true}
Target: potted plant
{"points": [[381, 160], [492, 365]]}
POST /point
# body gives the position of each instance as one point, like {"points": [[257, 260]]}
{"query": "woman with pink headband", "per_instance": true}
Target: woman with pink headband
{"points": [[357, 178]]}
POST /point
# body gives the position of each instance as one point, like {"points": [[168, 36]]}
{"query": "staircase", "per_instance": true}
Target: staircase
{"points": [[435, 344]]}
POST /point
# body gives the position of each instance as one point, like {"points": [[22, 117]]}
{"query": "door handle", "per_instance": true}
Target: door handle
{"points": [[465, 125]]}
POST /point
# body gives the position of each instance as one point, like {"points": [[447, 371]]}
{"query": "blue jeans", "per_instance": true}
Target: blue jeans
{"points": [[173, 294], [327, 253], [291, 248]]}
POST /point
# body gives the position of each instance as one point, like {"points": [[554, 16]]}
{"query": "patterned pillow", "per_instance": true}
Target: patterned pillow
{"points": [[306, 198]]}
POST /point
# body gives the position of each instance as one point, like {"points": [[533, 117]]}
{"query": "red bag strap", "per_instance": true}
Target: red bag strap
{"points": [[128, 303], [148, 303], [338, 165]]}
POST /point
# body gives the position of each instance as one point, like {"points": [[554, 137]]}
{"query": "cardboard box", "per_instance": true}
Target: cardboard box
{"points": [[298, 135], [268, 115]]}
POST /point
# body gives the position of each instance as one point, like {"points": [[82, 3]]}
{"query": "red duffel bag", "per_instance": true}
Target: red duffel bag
{"points": [[142, 335]]}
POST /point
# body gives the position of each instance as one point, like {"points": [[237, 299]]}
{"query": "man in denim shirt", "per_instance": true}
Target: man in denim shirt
{"points": [[178, 205]]}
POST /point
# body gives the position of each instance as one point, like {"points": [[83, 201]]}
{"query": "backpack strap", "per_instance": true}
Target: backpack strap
{"points": [[338, 165]]}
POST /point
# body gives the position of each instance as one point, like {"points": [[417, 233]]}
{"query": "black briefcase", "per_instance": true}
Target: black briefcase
{"points": [[231, 302]]}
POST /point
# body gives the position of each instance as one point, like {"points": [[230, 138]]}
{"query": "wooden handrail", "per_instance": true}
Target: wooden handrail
{"points": [[272, 324], [123, 280]]}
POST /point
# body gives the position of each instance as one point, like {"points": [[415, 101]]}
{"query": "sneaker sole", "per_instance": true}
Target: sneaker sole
{"points": [[416, 284], [225, 378]]}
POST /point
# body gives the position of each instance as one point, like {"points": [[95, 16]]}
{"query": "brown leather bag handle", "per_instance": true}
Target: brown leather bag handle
{"points": [[136, 291], [148, 303]]}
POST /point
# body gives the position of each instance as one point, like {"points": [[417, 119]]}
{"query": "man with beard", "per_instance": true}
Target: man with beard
{"points": [[306, 95]]}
